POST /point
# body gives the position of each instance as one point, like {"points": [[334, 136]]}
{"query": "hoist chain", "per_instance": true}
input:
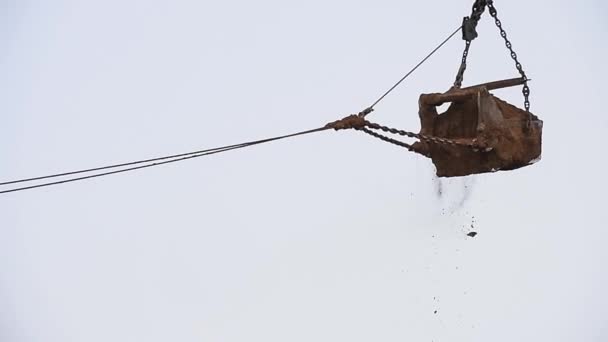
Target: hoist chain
{"points": [[469, 33], [469, 24], [503, 34], [463, 66]]}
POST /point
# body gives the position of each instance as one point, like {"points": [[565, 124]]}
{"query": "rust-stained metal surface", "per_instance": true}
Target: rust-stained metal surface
{"points": [[508, 137]]}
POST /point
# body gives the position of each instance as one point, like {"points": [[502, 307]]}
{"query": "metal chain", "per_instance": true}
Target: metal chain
{"points": [[503, 34], [430, 139], [387, 139], [468, 34], [463, 66], [359, 123], [478, 8]]}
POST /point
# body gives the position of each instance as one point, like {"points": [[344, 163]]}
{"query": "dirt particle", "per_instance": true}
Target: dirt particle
{"points": [[472, 234]]}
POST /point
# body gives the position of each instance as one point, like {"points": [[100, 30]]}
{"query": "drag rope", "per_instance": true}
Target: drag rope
{"points": [[356, 122]]}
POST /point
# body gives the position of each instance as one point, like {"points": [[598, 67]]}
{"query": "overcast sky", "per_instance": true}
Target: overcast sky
{"points": [[329, 237]]}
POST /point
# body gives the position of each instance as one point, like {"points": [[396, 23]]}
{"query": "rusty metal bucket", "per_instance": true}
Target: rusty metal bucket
{"points": [[505, 137]]}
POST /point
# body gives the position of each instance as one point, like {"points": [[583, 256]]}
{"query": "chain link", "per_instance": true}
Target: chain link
{"points": [[463, 66], [520, 69], [429, 139], [469, 33], [357, 122], [387, 139]]}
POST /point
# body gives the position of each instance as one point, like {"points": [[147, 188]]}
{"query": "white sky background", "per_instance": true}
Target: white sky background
{"points": [[329, 237]]}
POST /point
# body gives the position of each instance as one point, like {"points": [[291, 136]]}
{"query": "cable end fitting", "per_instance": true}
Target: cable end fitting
{"points": [[354, 121], [366, 111]]}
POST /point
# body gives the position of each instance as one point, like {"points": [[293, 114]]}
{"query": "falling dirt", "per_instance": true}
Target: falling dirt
{"points": [[454, 192], [438, 187], [472, 231]]}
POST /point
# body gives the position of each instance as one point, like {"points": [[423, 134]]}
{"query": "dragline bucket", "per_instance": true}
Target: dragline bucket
{"points": [[489, 134]]}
